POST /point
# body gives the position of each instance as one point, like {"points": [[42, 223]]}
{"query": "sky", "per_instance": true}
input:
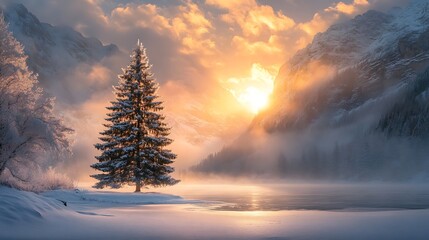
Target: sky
{"points": [[216, 60]]}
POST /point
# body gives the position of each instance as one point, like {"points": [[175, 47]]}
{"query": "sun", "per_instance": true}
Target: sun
{"points": [[253, 98], [252, 92]]}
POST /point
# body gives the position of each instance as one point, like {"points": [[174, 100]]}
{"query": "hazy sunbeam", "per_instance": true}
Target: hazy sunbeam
{"points": [[253, 91]]}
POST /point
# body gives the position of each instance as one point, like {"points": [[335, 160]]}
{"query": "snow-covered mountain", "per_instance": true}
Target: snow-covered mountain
{"points": [[370, 57], [54, 51], [352, 104]]}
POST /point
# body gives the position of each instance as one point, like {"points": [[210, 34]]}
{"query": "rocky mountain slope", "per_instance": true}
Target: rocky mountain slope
{"points": [[370, 57], [353, 104], [54, 51]]}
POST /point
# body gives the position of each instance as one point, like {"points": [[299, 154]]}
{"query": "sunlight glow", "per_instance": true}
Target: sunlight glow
{"points": [[254, 98], [252, 92]]}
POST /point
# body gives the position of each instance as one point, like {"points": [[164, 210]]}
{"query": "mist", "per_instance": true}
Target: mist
{"points": [[382, 136]]}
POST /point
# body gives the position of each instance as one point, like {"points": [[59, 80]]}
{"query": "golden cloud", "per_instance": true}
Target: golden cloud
{"points": [[353, 8], [254, 19], [139, 16], [254, 32], [322, 20], [255, 47], [228, 4], [189, 26], [192, 28]]}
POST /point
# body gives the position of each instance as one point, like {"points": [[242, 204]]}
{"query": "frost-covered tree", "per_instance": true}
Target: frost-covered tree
{"points": [[134, 144], [30, 134]]}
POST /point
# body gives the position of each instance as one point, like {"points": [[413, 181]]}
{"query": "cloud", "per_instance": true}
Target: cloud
{"points": [[255, 31], [188, 25], [255, 20], [356, 6], [132, 16], [328, 16], [255, 47], [99, 75], [193, 29], [342, 10], [226, 4]]}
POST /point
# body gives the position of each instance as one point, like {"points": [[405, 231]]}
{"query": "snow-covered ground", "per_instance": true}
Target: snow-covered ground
{"points": [[115, 215]]}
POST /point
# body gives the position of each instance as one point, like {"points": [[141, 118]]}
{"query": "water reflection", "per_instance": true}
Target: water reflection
{"points": [[254, 204], [347, 197]]}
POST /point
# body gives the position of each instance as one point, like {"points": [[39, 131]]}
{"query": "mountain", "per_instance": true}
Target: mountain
{"points": [[353, 104], [53, 51], [371, 56]]}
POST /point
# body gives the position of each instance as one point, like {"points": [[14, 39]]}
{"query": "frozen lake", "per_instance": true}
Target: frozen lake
{"points": [[330, 197], [240, 211]]}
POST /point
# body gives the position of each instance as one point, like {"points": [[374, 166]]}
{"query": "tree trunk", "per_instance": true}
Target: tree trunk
{"points": [[12, 155], [2, 167], [138, 186]]}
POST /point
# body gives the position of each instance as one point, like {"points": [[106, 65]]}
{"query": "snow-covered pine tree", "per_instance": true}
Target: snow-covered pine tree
{"points": [[133, 145]]}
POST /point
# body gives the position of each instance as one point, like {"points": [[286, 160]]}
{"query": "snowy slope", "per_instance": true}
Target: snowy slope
{"points": [[26, 207], [19, 206]]}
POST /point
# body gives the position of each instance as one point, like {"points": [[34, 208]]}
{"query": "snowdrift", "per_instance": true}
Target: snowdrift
{"points": [[26, 207], [20, 206]]}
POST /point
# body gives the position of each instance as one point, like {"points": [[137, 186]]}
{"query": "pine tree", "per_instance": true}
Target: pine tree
{"points": [[133, 146]]}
